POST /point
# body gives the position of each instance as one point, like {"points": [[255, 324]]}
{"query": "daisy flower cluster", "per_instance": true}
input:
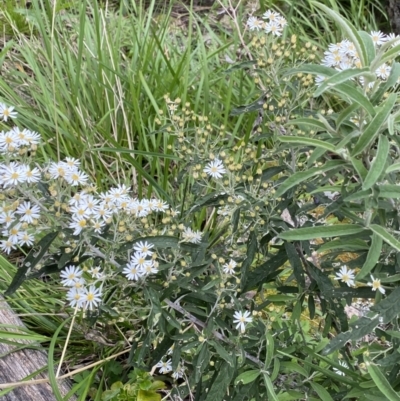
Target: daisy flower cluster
{"points": [[142, 262], [347, 276], [80, 295], [165, 367], [273, 23], [344, 56]]}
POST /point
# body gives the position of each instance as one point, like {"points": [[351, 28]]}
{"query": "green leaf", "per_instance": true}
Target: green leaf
{"points": [[320, 390], [220, 384], [307, 233], [341, 77], [345, 114], [298, 178], [378, 164], [251, 252], [373, 256], [348, 31], [393, 167], [269, 349], [386, 236], [381, 382], [388, 308], [144, 395], [354, 94], [299, 140], [389, 191], [270, 387], [296, 263], [313, 123], [374, 127], [361, 328], [222, 352], [247, 377], [369, 47], [344, 244], [311, 69], [359, 167]]}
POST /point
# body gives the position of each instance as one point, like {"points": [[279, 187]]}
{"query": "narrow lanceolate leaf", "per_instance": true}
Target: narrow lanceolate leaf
{"points": [[322, 393], [316, 125], [386, 236], [221, 383], [300, 140], [381, 382], [361, 328], [369, 47], [312, 69], [301, 176], [389, 191], [270, 388], [378, 164], [354, 94], [247, 377], [373, 256], [388, 308], [307, 233], [393, 167], [341, 77], [349, 31], [375, 125]]}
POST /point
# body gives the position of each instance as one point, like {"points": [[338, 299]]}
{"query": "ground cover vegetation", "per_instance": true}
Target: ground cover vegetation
{"points": [[204, 211]]}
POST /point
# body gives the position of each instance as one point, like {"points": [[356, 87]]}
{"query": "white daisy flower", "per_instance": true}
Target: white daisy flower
{"points": [[91, 297], [139, 260], [274, 28], [70, 275], [98, 226], [12, 175], [29, 213], [346, 276], [378, 38], [57, 170], [8, 140], [165, 367], [241, 319], [383, 71], [150, 267], [31, 175], [338, 371], [76, 177], [159, 205], [255, 24], [144, 248], [12, 233], [132, 272], [7, 218], [376, 285], [78, 225], [215, 169], [229, 268], [7, 112], [7, 245], [25, 239], [75, 297], [95, 272], [188, 235], [179, 372]]}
